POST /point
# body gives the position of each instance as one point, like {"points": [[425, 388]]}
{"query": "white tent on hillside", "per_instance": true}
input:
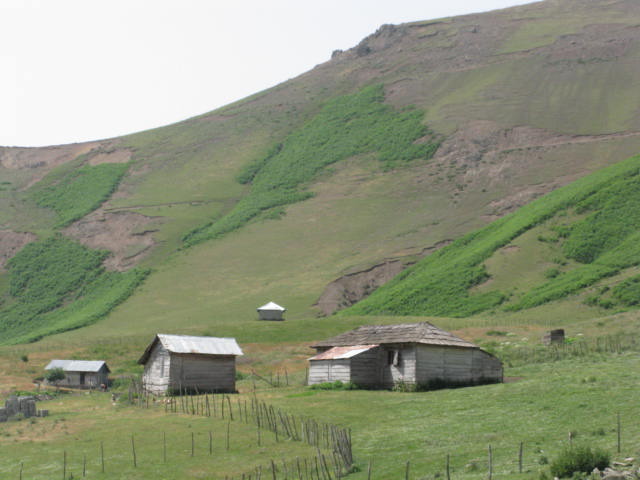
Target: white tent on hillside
{"points": [[271, 311]]}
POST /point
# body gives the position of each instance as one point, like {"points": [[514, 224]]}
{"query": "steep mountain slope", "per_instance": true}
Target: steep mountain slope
{"points": [[523, 100], [591, 226]]}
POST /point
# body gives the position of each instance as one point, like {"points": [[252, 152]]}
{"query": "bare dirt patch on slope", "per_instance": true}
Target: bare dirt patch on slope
{"points": [[128, 235], [11, 243], [40, 160]]}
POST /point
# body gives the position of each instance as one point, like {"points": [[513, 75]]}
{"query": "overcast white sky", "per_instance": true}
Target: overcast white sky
{"points": [[76, 70]]}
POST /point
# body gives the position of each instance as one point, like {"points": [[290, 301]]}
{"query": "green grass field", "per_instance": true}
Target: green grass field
{"points": [[538, 406]]}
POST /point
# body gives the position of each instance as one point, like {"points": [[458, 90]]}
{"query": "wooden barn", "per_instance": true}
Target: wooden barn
{"points": [[381, 356], [175, 363], [271, 311], [81, 373]]}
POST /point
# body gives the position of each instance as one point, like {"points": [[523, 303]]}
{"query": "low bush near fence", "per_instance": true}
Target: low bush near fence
{"points": [[579, 458]]}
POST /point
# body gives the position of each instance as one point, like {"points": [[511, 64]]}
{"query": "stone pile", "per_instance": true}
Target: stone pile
{"points": [[621, 471], [25, 406]]}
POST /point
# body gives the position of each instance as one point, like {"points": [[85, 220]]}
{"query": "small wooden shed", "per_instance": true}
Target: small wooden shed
{"points": [[381, 356], [271, 311], [175, 363], [81, 373]]}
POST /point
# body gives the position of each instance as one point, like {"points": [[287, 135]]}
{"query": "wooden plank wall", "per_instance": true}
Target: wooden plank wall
{"points": [[405, 371], [156, 371], [207, 373], [456, 364], [321, 371], [366, 368]]}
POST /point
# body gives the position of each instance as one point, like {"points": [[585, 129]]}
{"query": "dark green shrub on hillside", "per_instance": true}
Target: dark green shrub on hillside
{"points": [[628, 292], [57, 284], [581, 459], [344, 127], [72, 194]]}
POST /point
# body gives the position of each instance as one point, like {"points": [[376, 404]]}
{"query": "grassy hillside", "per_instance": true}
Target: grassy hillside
{"points": [[523, 101], [592, 222], [57, 285]]}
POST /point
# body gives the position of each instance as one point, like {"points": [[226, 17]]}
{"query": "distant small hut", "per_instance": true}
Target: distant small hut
{"points": [[271, 311], [174, 363], [554, 337], [381, 356], [81, 373]]}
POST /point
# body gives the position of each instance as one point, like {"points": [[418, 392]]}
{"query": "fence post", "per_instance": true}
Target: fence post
{"points": [[448, 467], [369, 470], [520, 459], [490, 463], [133, 451], [406, 471], [618, 432]]}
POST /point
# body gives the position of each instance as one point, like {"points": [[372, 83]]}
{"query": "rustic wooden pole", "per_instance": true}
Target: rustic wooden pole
{"points": [[406, 471], [273, 469], [210, 443], [490, 463], [619, 432], [21, 468], [228, 431], [369, 471], [102, 455], [230, 409], [520, 459], [133, 451], [84, 465], [448, 466], [192, 443]]}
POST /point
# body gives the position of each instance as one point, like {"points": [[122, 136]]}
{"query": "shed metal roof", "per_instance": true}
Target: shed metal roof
{"points": [[272, 306], [424, 333], [91, 366], [339, 353], [191, 344]]}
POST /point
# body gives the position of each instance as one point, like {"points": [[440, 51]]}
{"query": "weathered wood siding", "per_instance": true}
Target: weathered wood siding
{"points": [[458, 365], [156, 371], [321, 371], [405, 371], [366, 368], [206, 373], [486, 366], [270, 315], [90, 380]]}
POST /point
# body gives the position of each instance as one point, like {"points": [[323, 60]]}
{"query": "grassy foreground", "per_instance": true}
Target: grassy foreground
{"points": [[539, 406]]}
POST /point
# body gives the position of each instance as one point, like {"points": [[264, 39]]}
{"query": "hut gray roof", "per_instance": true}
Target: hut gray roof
{"points": [[92, 366], [191, 344], [424, 332], [272, 306]]}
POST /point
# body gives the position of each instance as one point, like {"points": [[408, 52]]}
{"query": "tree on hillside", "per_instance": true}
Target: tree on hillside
{"points": [[54, 376]]}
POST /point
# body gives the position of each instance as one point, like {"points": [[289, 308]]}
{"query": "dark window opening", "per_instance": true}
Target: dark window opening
{"points": [[393, 357]]}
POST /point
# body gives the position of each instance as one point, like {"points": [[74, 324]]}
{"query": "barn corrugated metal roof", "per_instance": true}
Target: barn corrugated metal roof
{"points": [[191, 344], [339, 353], [424, 332], [272, 306], [91, 366], [201, 345]]}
